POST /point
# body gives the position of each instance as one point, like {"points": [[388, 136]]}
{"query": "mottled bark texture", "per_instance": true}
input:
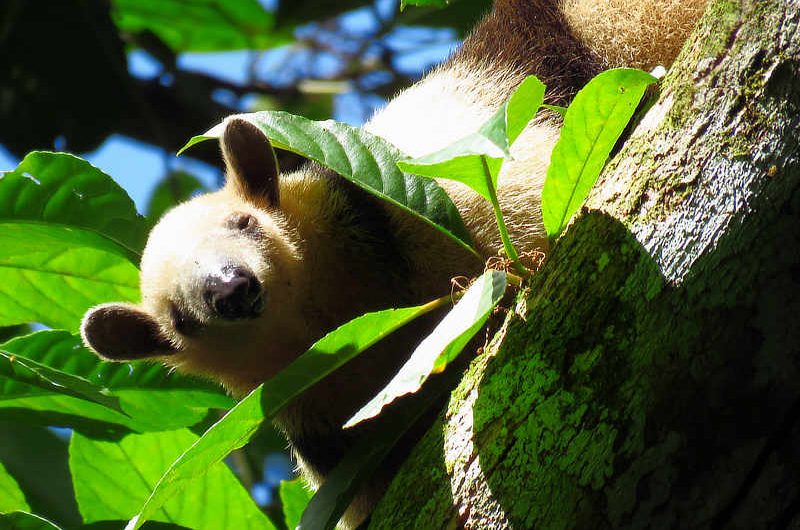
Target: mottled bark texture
{"points": [[649, 376]]}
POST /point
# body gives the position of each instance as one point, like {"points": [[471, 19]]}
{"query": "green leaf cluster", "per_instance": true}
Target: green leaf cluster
{"points": [[71, 238]]}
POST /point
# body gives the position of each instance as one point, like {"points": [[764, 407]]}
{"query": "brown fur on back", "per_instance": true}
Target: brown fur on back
{"points": [[523, 37], [633, 32]]}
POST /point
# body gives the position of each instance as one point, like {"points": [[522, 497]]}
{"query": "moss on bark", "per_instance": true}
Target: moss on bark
{"points": [[650, 374]]}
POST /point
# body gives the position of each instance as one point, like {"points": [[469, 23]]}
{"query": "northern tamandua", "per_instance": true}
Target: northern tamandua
{"points": [[237, 283]]}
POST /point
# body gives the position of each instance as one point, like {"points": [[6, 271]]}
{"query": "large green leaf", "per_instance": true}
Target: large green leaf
{"points": [[366, 160], [22, 520], [38, 460], [242, 421], [15, 369], [113, 479], [11, 496], [294, 499], [62, 189], [64, 411], [443, 345], [51, 274], [69, 239], [592, 125], [142, 390], [468, 160], [202, 25]]}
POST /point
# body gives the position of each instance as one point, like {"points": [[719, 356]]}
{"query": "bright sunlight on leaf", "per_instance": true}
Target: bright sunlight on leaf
{"points": [[467, 159], [70, 238], [241, 422], [22, 520], [294, 499], [11, 497], [132, 466], [593, 123], [442, 345], [62, 383], [362, 158]]}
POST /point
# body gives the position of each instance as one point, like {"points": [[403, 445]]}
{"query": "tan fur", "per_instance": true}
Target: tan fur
{"points": [[634, 33], [327, 252]]}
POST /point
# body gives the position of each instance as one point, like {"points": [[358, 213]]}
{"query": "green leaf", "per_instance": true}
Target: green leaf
{"points": [[202, 25], [362, 158], [556, 108], [443, 345], [173, 189], [461, 15], [518, 111], [113, 479], [25, 521], [52, 274], [143, 390], [69, 239], [11, 496], [15, 369], [38, 460], [423, 3], [62, 189], [467, 159], [593, 124], [295, 496], [361, 462], [242, 421], [64, 411], [462, 162]]}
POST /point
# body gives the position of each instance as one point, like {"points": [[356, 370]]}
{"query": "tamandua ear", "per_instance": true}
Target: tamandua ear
{"points": [[250, 162], [123, 332]]}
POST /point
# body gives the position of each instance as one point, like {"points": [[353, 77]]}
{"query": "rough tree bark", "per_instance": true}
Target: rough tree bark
{"points": [[649, 375]]}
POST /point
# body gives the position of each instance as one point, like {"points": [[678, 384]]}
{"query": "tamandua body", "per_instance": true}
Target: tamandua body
{"points": [[238, 283]]}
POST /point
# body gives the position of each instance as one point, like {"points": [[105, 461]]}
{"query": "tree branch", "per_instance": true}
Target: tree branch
{"points": [[649, 374]]}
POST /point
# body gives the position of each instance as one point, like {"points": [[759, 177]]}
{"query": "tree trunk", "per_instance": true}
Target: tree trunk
{"points": [[649, 375]]}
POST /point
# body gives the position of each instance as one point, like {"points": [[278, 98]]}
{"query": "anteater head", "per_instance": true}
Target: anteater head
{"points": [[221, 279]]}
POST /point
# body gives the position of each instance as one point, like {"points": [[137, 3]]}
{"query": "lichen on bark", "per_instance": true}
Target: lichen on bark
{"points": [[650, 374]]}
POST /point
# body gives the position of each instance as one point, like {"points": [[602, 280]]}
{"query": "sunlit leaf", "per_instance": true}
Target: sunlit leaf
{"points": [[11, 497], [443, 345], [15, 369], [142, 390], [51, 274], [62, 189], [22, 520], [366, 160], [556, 108], [592, 125], [113, 479], [294, 499], [69, 238], [242, 421], [468, 160], [202, 25]]}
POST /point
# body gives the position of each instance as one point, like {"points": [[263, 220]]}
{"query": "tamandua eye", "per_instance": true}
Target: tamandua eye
{"points": [[242, 221]]}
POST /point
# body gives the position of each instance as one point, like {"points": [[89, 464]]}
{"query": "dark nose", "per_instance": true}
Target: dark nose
{"points": [[234, 295]]}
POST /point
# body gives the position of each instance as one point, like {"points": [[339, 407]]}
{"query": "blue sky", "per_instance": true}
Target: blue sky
{"points": [[138, 167]]}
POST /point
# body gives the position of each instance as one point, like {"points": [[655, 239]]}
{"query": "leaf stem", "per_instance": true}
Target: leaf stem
{"points": [[511, 252]]}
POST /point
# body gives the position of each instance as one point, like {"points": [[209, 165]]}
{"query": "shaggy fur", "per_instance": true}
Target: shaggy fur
{"points": [[324, 251]]}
